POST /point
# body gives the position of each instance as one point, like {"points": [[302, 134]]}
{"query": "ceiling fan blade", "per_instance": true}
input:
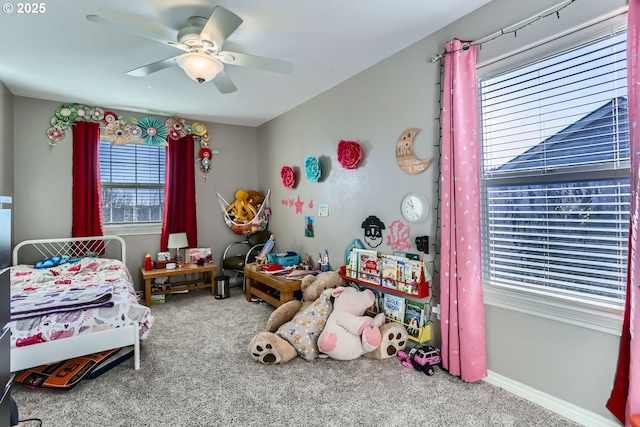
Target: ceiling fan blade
{"points": [[153, 67], [224, 83], [220, 25], [136, 31], [245, 60]]}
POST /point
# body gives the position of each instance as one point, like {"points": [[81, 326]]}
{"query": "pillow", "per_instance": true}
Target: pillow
{"points": [[303, 330], [54, 261]]}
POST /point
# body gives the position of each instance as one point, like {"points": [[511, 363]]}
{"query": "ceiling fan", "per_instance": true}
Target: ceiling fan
{"points": [[201, 40]]}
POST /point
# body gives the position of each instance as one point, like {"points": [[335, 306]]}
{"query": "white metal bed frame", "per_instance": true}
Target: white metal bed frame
{"points": [[67, 348]]}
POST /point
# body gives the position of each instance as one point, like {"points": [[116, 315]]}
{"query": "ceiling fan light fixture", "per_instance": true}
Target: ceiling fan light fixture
{"points": [[199, 66]]}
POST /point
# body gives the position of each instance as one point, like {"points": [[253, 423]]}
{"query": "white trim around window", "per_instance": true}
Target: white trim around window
{"points": [[609, 322], [133, 229]]}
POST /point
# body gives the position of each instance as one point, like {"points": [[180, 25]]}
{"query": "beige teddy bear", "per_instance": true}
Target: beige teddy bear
{"points": [[294, 327]]}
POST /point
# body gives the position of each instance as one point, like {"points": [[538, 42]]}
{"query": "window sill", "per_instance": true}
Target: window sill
{"points": [[609, 322], [133, 229]]}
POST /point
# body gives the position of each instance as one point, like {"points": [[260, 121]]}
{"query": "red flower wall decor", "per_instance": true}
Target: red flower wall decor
{"points": [[288, 176], [349, 154]]}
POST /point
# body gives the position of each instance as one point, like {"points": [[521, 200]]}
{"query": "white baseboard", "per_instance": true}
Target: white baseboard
{"points": [[559, 406]]}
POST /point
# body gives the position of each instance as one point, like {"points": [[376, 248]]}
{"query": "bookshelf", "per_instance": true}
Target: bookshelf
{"points": [[414, 293]]}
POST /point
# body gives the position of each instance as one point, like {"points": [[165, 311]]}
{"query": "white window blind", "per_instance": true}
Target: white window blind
{"points": [[556, 174], [132, 183]]}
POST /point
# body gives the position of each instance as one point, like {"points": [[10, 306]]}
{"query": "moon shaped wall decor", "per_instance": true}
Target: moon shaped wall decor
{"points": [[404, 153]]}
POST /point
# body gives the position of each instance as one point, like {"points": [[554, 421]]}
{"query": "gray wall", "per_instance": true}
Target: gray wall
{"points": [[374, 107], [42, 202]]}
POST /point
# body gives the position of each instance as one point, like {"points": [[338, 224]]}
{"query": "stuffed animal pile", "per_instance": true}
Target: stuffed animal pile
{"points": [[294, 327], [328, 322], [245, 207]]}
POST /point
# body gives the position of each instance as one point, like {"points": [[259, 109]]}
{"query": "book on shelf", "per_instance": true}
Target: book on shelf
{"points": [[378, 302], [352, 266], [413, 275], [389, 271], [394, 307], [400, 267], [351, 259], [368, 266], [414, 317]]}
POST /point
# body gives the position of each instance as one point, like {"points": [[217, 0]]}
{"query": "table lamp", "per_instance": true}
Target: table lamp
{"points": [[178, 241]]}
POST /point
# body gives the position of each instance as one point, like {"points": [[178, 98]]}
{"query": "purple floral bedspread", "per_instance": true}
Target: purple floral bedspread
{"points": [[83, 284], [98, 276]]}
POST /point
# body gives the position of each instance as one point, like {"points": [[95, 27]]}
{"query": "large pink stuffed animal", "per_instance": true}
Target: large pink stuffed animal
{"points": [[348, 333]]}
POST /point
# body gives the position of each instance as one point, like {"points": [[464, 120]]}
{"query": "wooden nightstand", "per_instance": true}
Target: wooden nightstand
{"points": [[207, 280]]}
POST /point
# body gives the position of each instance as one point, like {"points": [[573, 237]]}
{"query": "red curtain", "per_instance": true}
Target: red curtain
{"points": [[180, 192], [86, 199], [625, 397]]}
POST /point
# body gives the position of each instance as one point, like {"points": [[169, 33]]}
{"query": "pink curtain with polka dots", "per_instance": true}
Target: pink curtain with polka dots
{"points": [[624, 401], [461, 297]]}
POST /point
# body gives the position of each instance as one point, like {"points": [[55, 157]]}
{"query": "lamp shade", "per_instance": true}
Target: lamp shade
{"points": [[199, 66], [177, 241]]}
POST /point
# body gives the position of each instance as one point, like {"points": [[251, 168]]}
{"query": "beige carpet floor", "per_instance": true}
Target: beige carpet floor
{"points": [[196, 372]]}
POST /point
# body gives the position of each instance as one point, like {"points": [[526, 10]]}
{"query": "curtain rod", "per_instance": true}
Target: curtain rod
{"points": [[514, 27]]}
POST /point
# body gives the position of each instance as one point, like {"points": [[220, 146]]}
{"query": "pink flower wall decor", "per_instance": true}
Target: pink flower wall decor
{"points": [[349, 154], [288, 176]]}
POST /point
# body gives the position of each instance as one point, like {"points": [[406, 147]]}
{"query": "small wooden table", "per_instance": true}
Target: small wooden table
{"points": [[207, 281], [258, 283]]}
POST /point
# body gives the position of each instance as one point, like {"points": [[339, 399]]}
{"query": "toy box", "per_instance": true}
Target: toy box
{"points": [[285, 259]]}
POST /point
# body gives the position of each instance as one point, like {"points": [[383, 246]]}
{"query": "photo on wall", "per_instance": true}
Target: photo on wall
{"points": [[308, 226]]}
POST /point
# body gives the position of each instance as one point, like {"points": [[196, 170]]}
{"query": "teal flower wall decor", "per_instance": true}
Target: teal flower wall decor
{"points": [[312, 168]]}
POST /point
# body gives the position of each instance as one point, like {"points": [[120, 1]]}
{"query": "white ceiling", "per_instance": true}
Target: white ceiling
{"points": [[59, 55]]}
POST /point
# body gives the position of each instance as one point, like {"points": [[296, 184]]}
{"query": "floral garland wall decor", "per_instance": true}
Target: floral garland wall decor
{"points": [[176, 128], [349, 154], [148, 130], [205, 155], [312, 168], [288, 176], [154, 131], [121, 133], [204, 158]]}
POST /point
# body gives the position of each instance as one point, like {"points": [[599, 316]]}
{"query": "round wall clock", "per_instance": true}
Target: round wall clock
{"points": [[415, 207]]}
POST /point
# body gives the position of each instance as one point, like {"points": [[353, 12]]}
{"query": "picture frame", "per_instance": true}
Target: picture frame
{"points": [[196, 254]]}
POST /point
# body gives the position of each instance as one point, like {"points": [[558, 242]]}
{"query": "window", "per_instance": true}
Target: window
{"points": [[556, 177], [132, 183]]}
